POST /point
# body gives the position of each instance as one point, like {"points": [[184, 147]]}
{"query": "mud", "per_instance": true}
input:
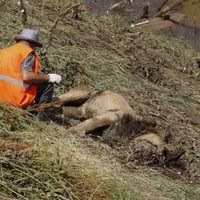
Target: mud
{"points": [[186, 28]]}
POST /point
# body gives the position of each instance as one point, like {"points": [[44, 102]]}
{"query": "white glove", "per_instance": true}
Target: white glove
{"points": [[54, 78]]}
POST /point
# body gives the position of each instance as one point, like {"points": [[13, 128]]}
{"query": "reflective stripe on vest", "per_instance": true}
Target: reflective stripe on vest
{"points": [[14, 81]]}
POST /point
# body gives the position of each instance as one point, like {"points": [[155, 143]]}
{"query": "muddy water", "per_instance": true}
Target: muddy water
{"points": [[188, 29]]}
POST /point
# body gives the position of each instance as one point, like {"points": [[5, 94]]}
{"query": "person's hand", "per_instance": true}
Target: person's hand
{"points": [[54, 78]]}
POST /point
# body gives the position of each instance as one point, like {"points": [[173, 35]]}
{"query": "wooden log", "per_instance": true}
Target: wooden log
{"points": [[145, 12], [119, 4], [168, 7], [81, 93], [162, 5]]}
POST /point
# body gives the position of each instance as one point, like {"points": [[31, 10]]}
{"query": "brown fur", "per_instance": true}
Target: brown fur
{"points": [[102, 109]]}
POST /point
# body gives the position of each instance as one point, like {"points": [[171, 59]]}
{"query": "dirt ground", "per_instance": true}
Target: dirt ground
{"points": [[157, 74]]}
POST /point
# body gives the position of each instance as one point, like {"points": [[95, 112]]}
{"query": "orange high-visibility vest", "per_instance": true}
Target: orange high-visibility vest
{"points": [[12, 88]]}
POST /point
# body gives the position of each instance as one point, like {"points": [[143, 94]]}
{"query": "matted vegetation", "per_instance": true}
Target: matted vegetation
{"points": [[31, 165], [156, 74]]}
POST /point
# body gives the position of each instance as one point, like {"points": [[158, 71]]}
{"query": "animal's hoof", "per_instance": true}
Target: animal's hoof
{"points": [[78, 132], [71, 130]]}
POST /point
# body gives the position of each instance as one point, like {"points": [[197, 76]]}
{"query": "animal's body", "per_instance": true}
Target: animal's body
{"points": [[108, 108], [102, 109]]}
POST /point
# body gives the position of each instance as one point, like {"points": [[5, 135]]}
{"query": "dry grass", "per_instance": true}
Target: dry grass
{"points": [[155, 73], [34, 168], [63, 166]]}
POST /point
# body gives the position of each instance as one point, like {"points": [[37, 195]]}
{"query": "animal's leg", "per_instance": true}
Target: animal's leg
{"points": [[70, 111], [76, 94], [104, 119]]}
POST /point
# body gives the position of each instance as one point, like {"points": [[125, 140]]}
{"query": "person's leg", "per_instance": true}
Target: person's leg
{"points": [[44, 95]]}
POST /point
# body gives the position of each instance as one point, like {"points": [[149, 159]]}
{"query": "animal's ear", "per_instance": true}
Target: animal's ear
{"points": [[166, 152], [172, 156]]}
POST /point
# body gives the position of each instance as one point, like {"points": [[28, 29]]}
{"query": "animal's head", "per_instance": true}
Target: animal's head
{"points": [[150, 149], [147, 149]]}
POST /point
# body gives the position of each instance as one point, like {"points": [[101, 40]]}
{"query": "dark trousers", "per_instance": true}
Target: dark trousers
{"points": [[44, 93]]}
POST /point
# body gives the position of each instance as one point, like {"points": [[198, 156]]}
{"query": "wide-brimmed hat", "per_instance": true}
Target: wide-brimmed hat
{"points": [[29, 35]]}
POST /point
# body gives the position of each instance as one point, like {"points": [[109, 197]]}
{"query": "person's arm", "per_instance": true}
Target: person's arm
{"points": [[27, 72], [34, 78]]}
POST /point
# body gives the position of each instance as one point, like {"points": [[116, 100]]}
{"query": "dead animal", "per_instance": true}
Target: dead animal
{"points": [[110, 109], [100, 109], [103, 108]]}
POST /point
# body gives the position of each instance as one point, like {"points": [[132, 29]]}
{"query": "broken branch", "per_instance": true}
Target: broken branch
{"points": [[168, 7]]}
